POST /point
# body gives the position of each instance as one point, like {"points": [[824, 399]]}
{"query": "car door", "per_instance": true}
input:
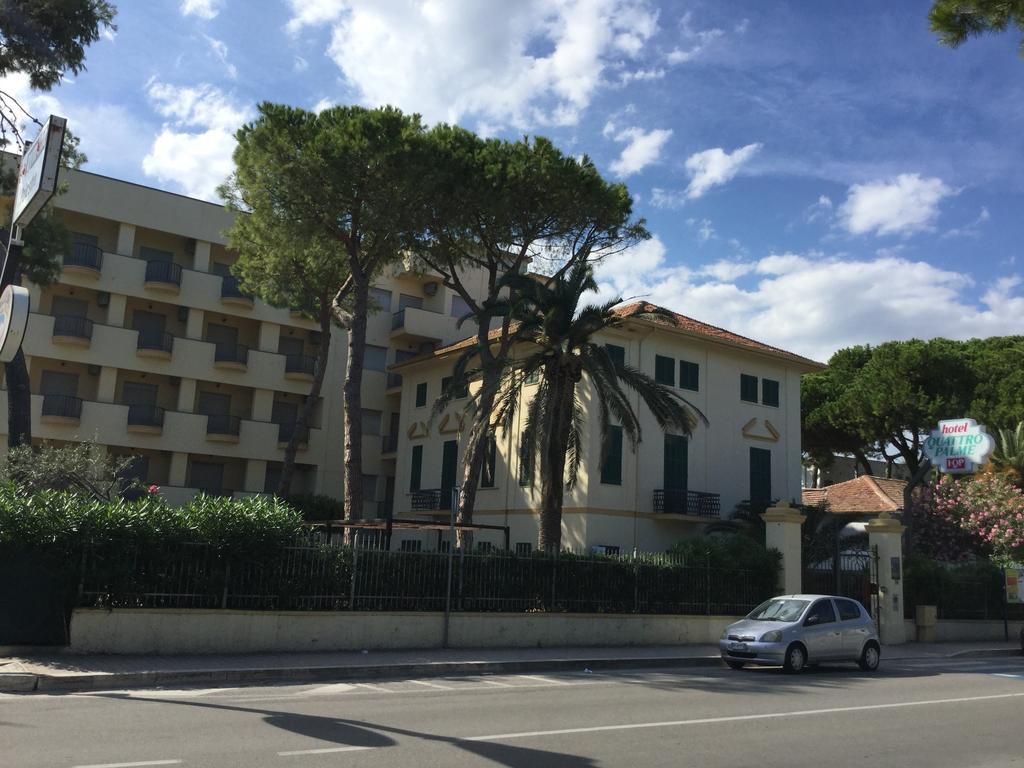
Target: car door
{"points": [[854, 627], [821, 632]]}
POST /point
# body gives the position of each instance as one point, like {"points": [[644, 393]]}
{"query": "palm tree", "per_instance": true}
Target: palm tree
{"points": [[561, 351], [1008, 455]]}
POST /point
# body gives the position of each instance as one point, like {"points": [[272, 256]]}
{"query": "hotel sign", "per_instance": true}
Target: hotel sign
{"points": [[958, 446]]}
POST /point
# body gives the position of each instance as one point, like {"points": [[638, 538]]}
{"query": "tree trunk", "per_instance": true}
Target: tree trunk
{"points": [[476, 447], [353, 401], [863, 461], [552, 468], [284, 485]]}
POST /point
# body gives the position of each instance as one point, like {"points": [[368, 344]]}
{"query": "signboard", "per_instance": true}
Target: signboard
{"points": [[37, 176], [13, 318], [958, 446], [1015, 585]]}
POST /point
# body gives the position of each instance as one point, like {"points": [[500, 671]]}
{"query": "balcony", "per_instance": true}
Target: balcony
{"points": [[231, 292], [285, 432], [84, 259], [145, 419], [413, 324], [163, 276], [62, 409], [230, 356], [71, 329], [707, 506], [154, 344], [223, 427], [394, 382], [299, 367], [389, 444]]}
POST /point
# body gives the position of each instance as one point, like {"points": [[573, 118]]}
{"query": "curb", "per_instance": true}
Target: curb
{"points": [[228, 677], [17, 682], [983, 653]]}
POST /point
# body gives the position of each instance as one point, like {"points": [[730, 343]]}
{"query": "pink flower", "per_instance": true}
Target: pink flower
{"points": [[153, 489]]}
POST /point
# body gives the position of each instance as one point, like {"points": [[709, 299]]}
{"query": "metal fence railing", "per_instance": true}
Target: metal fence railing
{"points": [[327, 576]]}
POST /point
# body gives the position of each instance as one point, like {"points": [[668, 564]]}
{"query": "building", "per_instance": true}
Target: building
{"points": [[864, 495], [147, 345], [845, 468], [670, 488]]}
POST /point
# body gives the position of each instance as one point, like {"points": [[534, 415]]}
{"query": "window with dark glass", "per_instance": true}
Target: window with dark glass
{"points": [[770, 392], [421, 394], [376, 358], [748, 388], [848, 610], [487, 478], [611, 467], [525, 463], [417, 468], [459, 393], [689, 375], [824, 611], [616, 353], [382, 298], [665, 370]]}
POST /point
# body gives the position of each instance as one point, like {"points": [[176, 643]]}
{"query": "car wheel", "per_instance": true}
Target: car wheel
{"points": [[735, 664], [796, 659], [870, 657]]}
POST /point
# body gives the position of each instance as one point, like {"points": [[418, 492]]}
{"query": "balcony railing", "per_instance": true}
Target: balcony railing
{"points": [[389, 443], [426, 500], [142, 415], [692, 503], [224, 352], [223, 424], [166, 272], [286, 430], [85, 255], [65, 406], [394, 380], [73, 326], [231, 288], [155, 341], [300, 364], [398, 320]]}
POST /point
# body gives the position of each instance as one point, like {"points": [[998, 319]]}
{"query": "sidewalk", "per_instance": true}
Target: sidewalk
{"points": [[56, 671]]}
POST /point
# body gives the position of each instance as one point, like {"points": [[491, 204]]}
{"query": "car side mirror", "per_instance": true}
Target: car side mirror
{"points": [[810, 621]]}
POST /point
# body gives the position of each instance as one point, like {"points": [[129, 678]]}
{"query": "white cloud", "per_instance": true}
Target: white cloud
{"points": [[204, 9], [903, 205], [193, 149], [220, 50], [821, 209], [667, 198], [642, 148], [814, 304], [321, 105], [300, 65], [713, 167], [971, 230], [694, 41], [19, 98], [705, 230], [522, 64]]}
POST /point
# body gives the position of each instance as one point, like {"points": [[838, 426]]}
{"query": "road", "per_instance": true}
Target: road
{"points": [[912, 713]]}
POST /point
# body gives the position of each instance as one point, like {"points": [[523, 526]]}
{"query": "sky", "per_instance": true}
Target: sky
{"points": [[814, 175]]}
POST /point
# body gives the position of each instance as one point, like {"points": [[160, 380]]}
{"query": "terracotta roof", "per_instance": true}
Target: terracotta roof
{"points": [[645, 311], [862, 495]]}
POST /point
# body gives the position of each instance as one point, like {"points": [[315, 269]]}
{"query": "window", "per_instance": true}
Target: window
{"points": [[371, 421], [616, 353], [689, 375], [525, 462], [524, 548], [369, 488], [421, 394], [272, 478], [770, 392], [449, 471], [411, 545], [533, 377], [207, 476], [381, 298], [460, 391], [155, 254], [459, 307], [484, 547], [748, 388], [405, 300], [81, 237], [417, 468], [760, 476], [665, 370], [490, 459], [376, 358], [848, 610], [824, 612], [611, 467]]}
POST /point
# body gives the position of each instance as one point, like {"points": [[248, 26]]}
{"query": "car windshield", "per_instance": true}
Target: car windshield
{"points": [[778, 610]]}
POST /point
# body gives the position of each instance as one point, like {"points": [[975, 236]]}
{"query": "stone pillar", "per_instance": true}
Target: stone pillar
{"points": [[178, 473], [201, 260], [194, 326], [106, 388], [117, 309], [262, 404], [270, 334], [782, 532], [255, 475], [885, 535], [187, 395], [125, 239]]}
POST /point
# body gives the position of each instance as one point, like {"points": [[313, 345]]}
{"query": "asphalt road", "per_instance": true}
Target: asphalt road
{"points": [[961, 714]]}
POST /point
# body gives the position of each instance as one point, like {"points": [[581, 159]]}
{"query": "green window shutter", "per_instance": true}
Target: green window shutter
{"points": [[525, 464], [449, 468], [417, 468], [421, 394], [665, 370], [616, 353], [490, 459], [770, 392], [760, 476], [611, 468], [445, 383], [748, 388], [689, 375], [676, 461]]}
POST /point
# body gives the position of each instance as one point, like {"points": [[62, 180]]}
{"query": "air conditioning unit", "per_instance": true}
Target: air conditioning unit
{"points": [[102, 298], [190, 246], [430, 289], [182, 314]]}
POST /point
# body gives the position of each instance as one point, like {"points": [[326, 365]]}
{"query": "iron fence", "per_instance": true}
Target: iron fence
{"points": [[326, 576]]}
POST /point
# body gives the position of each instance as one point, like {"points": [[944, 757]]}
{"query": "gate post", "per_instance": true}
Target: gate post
{"points": [[782, 532], [886, 533]]}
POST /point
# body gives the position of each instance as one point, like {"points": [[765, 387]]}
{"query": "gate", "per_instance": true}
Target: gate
{"points": [[841, 566]]}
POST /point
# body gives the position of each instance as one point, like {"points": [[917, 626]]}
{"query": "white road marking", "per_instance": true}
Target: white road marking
{"points": [[545, 680], [325, 751], [428, 684], [130, 765], [327, 690], [374, 688], [1006, 674], [739, 718], [497, 683]]}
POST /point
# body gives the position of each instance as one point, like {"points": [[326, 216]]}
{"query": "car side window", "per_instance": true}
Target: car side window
{"points": [[824, 612], [848, 610]]}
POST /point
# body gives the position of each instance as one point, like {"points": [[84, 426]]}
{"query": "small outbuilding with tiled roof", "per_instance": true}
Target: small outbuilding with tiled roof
{"points": [[864, 495]]}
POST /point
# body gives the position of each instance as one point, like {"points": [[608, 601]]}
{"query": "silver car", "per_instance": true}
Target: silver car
{"points": [[797, 630]]}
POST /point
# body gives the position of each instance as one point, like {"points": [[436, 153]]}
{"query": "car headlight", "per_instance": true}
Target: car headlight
{"points": [[771, 637], [725, 634]]}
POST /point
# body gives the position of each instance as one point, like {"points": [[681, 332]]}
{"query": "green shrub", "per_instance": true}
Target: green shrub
{"points": [[316, 507]]}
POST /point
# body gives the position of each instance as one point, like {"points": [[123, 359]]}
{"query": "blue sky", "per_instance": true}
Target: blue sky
{"points": [[815, 174]]}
